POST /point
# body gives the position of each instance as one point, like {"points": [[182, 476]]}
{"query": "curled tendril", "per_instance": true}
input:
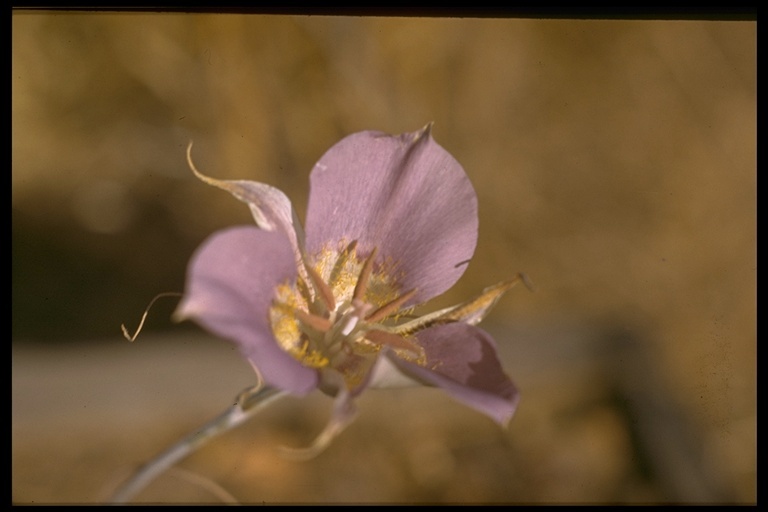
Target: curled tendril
{"points": [[133, 337]]}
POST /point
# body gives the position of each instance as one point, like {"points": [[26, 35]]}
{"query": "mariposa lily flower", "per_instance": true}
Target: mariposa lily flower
{"points": [[391, 223]]}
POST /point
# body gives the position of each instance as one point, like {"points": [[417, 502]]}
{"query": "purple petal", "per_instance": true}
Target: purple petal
{"points": [[464, 363], [231, 282], [270, 207], [405, 195]]}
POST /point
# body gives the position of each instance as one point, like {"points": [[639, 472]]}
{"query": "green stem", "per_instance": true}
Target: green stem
{"points": [[248, 403]]}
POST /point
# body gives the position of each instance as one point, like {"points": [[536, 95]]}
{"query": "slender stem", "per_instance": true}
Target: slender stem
{"points": [[248, 403]]}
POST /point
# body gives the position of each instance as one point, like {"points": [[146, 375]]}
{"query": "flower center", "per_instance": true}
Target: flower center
{"points": [[341, 312]]}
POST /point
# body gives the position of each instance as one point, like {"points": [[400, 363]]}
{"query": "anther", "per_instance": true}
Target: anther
{"points": [[322, 289], [316, 322], [394, 341], [365, 274], [390, 307]]}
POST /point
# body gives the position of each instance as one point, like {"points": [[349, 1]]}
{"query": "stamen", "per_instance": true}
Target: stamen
{"points": [[316, 322], [390, 307], [365, 273], [351, 247], [322, 289], [474, 311], [394, 341], [471, 312], [341, 262]]}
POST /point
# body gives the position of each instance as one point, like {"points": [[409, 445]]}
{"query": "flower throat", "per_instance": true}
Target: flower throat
{"points": [[341, 312]]}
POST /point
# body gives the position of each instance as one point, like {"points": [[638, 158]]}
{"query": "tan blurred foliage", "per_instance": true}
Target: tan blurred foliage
{"points": [[615, 164]]}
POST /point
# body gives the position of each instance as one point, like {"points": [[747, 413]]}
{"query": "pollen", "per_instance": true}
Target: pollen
{"points": [[339, 315]]}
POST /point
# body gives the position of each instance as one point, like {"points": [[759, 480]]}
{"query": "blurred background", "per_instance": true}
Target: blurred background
{"points": [[615, 164]]}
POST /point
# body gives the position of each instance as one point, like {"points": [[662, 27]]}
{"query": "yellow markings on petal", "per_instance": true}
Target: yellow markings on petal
{"points": [[341, 268], [285, 325], [323, 320], [309, 357]]}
